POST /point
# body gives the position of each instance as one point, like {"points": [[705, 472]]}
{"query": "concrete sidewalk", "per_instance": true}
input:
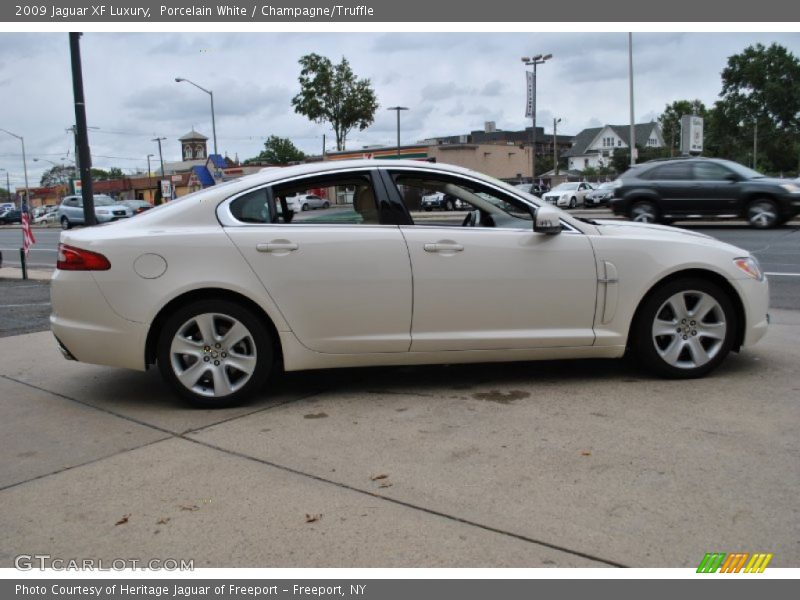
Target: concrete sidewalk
{"points": [[572, 463]]}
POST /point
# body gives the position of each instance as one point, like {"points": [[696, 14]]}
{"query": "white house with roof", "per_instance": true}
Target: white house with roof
{"points": [[594, 147]]}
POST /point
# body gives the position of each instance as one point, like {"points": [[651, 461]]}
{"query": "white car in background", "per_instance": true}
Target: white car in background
{"points": [[568, 194], [303, 202], [219, 288]]}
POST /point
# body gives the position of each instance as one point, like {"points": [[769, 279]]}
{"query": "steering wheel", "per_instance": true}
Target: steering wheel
{"points": [[472, 219]]}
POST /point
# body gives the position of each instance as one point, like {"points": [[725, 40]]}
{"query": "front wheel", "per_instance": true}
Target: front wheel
{"points": [[65, 224], [326, 205], [215, 353], [762, 214], [304, 208], [684, 329], [573, 202]]}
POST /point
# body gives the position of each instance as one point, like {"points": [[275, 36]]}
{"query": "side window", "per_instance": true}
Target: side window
{"points": [[672, 172], [251, 207], [706, 171], [444, 201], [347, 199]]}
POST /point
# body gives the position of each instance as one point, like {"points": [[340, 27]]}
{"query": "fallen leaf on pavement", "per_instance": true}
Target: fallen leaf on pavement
{"points": [[162, 521], [312, 518], [377, 477], [123, 520], [192, 507], [385, 484], [585, 453]]}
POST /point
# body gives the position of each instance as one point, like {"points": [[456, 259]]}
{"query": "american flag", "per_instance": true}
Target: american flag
{"points": [[27, 234]]}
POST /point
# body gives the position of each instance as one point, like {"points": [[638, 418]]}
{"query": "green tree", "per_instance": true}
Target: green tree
{"points": [[670, 121], [278, 151], [333, 94], [102, 175], [58, 175], [760, 99]]}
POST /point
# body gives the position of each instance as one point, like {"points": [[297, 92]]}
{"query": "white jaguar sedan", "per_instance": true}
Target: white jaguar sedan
{"points": [[221, 287]]}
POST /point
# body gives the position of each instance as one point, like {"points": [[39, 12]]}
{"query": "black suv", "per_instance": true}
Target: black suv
{"points": [[699, 188]]}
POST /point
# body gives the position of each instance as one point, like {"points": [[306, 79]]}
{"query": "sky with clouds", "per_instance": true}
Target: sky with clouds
{"points": [[452, 82]]}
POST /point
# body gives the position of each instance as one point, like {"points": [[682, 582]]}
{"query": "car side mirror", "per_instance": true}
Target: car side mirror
{"points": [[546, 219], [732, 177]]}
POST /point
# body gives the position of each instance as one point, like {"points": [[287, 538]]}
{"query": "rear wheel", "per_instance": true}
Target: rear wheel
{"points": [[215, 353], [762, 214], [644, 211], [685, 328], [326, 205], [304, 208]]}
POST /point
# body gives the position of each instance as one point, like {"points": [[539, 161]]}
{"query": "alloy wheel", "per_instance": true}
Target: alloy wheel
{"points": [[213, 355], [644, 212], [762, 214], [689, 329]]}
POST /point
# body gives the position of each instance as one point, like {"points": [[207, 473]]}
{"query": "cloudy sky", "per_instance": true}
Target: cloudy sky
{"points": [[453, 83]]}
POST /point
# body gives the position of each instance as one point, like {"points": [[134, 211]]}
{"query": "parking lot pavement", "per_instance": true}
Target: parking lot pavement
{"points": [[570, 463]]}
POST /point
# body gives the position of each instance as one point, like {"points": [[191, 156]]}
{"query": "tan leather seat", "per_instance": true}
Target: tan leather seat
{"points": [[364, 204]]}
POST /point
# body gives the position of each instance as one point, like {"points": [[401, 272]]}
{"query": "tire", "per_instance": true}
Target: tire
{"points": [[225, 381], [304, 207], [449, 205], [644, 211], [65, 224], [573, 202], [684, 329], [326, 205], [762, 213]]}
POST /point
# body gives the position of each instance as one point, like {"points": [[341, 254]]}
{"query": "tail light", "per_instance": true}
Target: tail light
{"points": [[77, 259]]}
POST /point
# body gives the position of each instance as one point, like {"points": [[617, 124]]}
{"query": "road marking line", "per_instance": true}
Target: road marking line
{"points": [[782, 274], [20, 305], [31, 250]]}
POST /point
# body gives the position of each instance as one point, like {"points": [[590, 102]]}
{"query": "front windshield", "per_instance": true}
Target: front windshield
{"points": [[605, 186]]}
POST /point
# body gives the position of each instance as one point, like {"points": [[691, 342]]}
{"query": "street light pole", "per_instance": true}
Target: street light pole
{"points": [[533, 61], [24, 165], [398, 109], [213, 119]]}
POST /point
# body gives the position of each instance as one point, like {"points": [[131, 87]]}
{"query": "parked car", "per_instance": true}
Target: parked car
{"points": [[704, 188], [440, 201], [70, 211], [568, 194], [47, 214], [601, 195], [7, 206], [10, 216], [218, 292], [137, 206], [303, 202], [532, 188]]}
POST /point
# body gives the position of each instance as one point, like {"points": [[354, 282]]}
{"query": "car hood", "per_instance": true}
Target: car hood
{"points": [[627, 228]]}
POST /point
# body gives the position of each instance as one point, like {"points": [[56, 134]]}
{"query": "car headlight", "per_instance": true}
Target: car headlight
{"points": [[564, 196], [792, 188], [750, 267]]}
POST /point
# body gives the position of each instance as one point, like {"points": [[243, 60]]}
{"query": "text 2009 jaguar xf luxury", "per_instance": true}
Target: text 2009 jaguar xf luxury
{"points": [[221, 286]]}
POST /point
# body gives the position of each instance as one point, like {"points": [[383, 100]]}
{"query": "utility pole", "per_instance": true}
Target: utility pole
{"points": [[755, 143], [630, 80], [398, 109], [323, 146], [82, 133], [160, 155]]}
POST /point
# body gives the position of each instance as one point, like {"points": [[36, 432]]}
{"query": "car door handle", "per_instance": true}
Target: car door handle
{"points": [[443, 247], [278, 247]]}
